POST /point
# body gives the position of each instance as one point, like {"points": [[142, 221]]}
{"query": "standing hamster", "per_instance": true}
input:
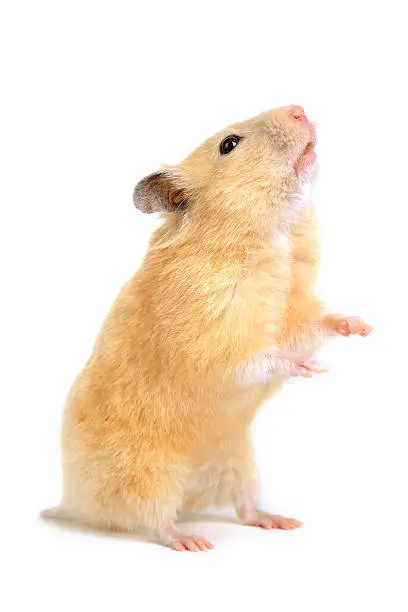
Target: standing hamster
{"points": [[220, 313]]}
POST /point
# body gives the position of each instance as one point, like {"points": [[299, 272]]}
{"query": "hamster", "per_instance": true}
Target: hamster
{"points": [[221, 312]]}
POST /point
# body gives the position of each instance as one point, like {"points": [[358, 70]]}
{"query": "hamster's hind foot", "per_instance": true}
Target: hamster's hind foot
{"points": [[192, 543], [258, 518], [170, 536]]}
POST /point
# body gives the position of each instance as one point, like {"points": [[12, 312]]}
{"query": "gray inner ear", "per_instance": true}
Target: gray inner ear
{"points": [[156, 193]]}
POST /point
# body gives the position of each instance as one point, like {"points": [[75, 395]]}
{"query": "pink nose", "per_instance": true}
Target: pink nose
{"points": [[298, 113]]}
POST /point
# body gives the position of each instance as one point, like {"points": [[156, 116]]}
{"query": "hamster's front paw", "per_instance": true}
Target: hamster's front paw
{"points": [[303, 366], [347, 326], [288, 363]]}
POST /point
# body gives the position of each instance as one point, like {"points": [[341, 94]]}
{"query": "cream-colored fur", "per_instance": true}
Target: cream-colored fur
{"points": [[159, 418]]}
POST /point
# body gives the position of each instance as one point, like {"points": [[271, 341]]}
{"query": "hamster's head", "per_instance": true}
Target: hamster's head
{"points": [[249, 169]]}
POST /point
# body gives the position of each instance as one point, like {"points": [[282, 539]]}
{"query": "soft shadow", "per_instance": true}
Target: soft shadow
{"points": [[139, 534]]}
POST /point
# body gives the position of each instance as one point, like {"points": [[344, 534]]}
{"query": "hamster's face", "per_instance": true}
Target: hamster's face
{"points": [[259, 156]]}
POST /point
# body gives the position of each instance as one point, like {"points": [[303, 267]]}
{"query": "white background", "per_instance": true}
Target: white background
{"points": [[94, 96]]}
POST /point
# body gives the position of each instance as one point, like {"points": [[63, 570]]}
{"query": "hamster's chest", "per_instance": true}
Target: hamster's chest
{"points": [[270, 278]]}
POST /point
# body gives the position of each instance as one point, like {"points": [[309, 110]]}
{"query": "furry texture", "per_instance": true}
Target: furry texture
{"points": [[158, 419]]}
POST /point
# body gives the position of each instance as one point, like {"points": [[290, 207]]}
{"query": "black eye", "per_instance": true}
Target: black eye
{"points": [[229, 143]]}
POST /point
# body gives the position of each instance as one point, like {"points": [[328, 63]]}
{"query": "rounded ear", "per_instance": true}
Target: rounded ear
{"points": [[157, 193]]}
